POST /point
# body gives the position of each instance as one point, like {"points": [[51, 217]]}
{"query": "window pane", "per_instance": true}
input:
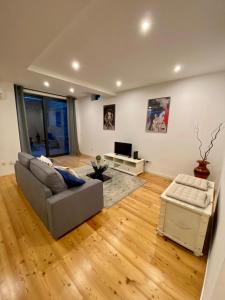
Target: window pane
{"points": [[57, 127], [34, 113]]}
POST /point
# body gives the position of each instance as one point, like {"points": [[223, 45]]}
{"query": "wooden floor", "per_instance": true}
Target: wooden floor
{"points": [[115, 255]]}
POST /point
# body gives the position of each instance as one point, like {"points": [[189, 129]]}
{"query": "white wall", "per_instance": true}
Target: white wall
{"points": [[194, 100], [214, 288], [9, 136]]}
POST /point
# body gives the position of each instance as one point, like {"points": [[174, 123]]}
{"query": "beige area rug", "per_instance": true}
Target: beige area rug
{"points": [[119, 186]]}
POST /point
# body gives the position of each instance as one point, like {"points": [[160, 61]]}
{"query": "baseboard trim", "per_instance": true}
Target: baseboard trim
{"points": [[160, 174]]}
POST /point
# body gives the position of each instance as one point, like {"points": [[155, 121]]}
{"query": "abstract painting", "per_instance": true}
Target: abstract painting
{"points": [[158, 115]]}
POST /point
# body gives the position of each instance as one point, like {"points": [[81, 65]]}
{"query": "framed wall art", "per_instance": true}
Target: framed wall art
{"points": [[109, 115], [158, 115]]}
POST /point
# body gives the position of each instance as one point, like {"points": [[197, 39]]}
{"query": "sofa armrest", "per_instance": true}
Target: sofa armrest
{"points": [[70, 208]]}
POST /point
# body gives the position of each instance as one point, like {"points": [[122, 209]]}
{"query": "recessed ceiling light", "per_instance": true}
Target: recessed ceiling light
{"points": [[177, 68], [71, 90], [46, 83], [145, 26], [118, 83], [76, 65]]}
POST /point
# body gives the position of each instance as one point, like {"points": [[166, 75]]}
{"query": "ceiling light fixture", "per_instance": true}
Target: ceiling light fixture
{"points": [[177, 68], [76, 65], [71, 90], [118, 83], [46, 83], [145, 26]]}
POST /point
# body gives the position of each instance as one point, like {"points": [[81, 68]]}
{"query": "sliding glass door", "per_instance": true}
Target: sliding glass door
{"points": [[47, 125], [35, 124], [57, 127]]}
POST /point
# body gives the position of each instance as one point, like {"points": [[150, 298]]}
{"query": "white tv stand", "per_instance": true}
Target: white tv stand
{"points": [[125, 164]]}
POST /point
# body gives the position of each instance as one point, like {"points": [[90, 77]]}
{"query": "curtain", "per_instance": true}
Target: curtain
{"points": [[73, 139], [22, 120]]}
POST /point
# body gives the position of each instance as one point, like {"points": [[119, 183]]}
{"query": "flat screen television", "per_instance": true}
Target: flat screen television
{"points": [[123, 149]]}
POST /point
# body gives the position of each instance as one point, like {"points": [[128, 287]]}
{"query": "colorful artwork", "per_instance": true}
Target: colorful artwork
{"points": [[109, 117], [158, 115]]}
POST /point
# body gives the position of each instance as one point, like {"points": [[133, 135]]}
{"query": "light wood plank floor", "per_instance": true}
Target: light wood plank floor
{"points": [[115, 255]]}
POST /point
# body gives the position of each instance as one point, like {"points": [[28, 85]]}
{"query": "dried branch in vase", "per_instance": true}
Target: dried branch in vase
{"points": [[199, 140], [214, 136]]}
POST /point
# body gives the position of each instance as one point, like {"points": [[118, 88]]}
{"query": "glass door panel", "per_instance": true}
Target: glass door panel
{"points": [[57, 127], [35, 123]]}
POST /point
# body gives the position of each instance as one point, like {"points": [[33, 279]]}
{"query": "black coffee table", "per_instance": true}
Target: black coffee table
{"points": [[101, 177], [99, 169]]}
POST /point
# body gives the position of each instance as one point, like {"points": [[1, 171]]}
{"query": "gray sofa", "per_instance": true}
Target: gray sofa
{"points": [[60, 209]]}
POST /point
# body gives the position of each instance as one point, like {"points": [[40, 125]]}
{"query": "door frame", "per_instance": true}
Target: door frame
{"points": [[45, 100]]}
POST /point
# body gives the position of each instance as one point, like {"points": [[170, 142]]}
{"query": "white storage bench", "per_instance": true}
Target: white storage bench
{"points": [[183, 222]]}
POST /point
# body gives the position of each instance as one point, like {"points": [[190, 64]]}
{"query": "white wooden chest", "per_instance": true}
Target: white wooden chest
{"points": [[184, 223]]}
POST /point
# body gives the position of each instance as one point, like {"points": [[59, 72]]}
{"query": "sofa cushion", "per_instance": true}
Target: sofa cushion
{"points": [[70, 179], [24, 159], [188, 194], [45, 160], [48, 176], [192, 181]]}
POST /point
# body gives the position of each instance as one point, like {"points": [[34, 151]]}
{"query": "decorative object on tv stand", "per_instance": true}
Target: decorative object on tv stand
{"points": [[109, 114], [135, 155], [201, 170], [158, 115]]}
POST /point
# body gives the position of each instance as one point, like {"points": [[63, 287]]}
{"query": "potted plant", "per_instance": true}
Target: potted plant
{"points": [[98, 158], [201, 170]]}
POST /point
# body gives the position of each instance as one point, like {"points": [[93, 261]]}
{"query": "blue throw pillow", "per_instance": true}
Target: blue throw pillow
{"points": [[70, 179]]}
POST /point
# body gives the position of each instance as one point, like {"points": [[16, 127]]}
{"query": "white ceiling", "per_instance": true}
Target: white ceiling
{"points": [[40, 39]]}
